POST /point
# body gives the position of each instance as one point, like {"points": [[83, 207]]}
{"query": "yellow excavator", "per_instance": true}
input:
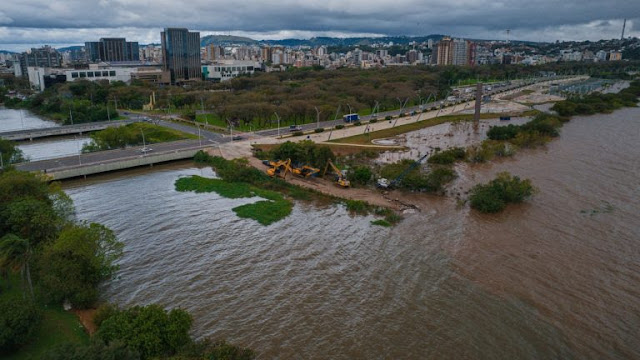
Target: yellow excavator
{"points": [[340, 179], [304, 171], [278, 168]]}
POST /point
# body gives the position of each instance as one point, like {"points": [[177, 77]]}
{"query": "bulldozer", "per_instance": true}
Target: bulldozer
{"points": [[340, 179]]}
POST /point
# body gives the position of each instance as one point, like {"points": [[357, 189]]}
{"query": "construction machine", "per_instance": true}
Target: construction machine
{"points": [[385, 184], [278, 168], [340, 179], [305, 171]]}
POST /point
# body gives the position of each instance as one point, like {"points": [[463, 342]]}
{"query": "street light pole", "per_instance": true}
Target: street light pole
{"points": [[79, 152], [317, 117], [200, 137], [278, 117]]}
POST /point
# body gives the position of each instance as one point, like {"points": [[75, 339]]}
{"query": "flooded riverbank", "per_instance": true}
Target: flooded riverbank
{"points": [[555, 277]]}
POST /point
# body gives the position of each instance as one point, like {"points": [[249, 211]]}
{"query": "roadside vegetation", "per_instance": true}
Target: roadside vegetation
{"points": [[132, 135], [504, 189]]}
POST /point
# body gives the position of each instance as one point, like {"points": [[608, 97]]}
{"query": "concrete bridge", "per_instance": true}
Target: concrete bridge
{"points": [[113, 160], [30, 134]]}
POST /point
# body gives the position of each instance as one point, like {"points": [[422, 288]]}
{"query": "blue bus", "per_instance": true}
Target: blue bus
{"points": [[351, 118]]}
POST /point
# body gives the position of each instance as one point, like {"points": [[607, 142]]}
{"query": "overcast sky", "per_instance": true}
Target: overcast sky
{"points": [[26, 23]]}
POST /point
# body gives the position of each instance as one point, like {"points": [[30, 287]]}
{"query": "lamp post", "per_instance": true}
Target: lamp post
{"points": [[278, 117], [317, 117], [79, 151]]}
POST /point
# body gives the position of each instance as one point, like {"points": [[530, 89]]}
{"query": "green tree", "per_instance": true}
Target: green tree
{"points": [[150, 330], [10, 153], [15, 254], [18, 321], [97, 350], [72, 267], [361, 175], [31, 219]]}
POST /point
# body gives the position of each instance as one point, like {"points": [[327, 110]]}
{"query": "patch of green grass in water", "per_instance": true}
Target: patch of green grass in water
{"points": [[381, 222], [266, 212]]}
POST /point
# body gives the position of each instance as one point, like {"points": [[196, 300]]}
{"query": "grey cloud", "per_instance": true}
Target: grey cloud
{"points": [[528, 20]]}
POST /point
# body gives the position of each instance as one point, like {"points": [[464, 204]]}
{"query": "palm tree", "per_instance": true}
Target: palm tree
{"points": [[15, 254]]}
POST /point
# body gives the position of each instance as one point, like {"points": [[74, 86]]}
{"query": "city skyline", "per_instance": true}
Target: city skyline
{"points": [[59, 23]]}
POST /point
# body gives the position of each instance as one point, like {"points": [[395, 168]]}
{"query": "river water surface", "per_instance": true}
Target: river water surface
{"points": [[12, 120], [555, 278]]}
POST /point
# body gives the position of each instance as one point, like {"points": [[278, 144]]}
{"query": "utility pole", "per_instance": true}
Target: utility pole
{"points": [[317, 117], [278, 117]]}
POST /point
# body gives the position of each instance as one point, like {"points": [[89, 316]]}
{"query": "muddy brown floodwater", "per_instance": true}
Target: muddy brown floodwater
{"points": [[555, 278]]}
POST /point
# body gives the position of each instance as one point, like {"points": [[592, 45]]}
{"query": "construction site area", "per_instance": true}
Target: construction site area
{"points": [[394, 151]]}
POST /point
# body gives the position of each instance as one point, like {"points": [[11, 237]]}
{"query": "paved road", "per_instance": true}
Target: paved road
{"points": [[393, 113], [206, 135], [63, 130], [107, 156]]}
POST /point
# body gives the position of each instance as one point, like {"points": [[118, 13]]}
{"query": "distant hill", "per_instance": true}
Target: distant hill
{"points": [[226, 40], [71, 48], [352, 41], [7, 52]]}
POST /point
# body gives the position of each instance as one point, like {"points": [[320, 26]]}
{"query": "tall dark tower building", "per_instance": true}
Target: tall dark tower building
{"points": [[112, 49], [181, 54]]}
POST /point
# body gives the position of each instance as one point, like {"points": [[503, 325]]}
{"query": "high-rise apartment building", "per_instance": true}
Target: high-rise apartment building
{"points": [[112, 49], [45, 56], [444, 56], [455, 52], [214, 52], [181, 54], [459, 52]]}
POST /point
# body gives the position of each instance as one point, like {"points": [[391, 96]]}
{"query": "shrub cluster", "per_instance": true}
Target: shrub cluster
{"points": [[542, 125], [340, 126], [448, 156], [433, 181], [318, 130], [303, 152], [494, 196]]}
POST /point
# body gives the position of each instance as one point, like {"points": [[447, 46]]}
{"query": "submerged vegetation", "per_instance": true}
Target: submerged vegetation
{"points": [[132, 135], [265, 212], [495, 195], [597, 103]]}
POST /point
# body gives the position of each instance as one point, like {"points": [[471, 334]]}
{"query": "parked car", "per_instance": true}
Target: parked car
{"points": [[295, 128], [145, 150]]}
